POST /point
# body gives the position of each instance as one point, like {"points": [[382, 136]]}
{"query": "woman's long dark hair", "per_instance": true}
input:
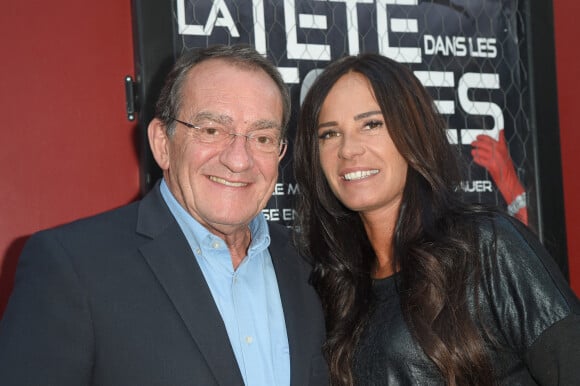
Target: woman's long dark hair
{"points": [[433, 244]]}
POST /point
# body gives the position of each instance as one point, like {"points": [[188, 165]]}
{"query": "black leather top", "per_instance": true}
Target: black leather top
{"points": [[525, 303]]}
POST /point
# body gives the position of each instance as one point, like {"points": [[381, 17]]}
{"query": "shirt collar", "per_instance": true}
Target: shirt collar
{"points": [[202, 237]]}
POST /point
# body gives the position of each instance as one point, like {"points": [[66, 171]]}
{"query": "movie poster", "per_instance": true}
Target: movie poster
{"points": [[468, 53]]}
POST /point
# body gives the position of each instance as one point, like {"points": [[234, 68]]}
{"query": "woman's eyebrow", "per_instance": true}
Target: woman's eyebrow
{"points": [[366, 115], [357, 117], [326, 124]]}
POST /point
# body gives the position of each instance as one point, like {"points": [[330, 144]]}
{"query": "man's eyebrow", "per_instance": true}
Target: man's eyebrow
{"points": [[211, 116], [224, 119], [357, 117], [264, 124]]}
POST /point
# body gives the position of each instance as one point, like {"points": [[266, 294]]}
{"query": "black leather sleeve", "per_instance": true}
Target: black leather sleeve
{"points": [[526, 291], [535, 311]]}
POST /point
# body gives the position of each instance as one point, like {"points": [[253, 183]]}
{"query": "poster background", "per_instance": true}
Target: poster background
{"points": [[467, 53]]}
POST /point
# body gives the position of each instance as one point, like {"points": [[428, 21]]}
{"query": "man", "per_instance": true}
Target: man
{"points": [[189, 286]]}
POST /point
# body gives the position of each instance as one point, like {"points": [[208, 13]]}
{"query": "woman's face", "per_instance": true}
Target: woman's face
{"points": [[363, 167]]}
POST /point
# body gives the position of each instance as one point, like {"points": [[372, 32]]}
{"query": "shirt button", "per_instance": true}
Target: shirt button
{"points": [[249, 339], [215, 245], [198, 251]]}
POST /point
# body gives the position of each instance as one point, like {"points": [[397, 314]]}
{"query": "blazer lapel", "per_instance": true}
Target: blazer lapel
{"points": [[170, 258], [289, 277]]}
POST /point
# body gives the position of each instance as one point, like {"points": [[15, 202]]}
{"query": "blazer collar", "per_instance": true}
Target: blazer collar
{"points": [[173, 263], [290, 277]]}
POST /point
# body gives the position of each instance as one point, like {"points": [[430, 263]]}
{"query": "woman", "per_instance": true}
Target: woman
{"points": [[418, 287]]}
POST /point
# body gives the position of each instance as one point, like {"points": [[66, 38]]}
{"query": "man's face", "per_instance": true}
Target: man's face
{"points": [[223, 186]]}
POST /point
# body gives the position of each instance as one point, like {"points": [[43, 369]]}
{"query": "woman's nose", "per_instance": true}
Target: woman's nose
{"points": [[351, 146]]}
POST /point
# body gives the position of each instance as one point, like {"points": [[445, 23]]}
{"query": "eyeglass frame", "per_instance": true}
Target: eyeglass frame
{"points": [[282, 142]]}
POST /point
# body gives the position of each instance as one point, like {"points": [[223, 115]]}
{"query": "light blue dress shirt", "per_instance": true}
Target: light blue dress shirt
{"points": [[247, 298]]}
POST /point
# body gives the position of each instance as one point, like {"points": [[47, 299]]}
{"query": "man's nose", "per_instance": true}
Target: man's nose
{"points": [[237, 155]]}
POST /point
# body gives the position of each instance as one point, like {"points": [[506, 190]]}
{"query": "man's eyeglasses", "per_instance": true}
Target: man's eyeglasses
{"points": [[263, 140]]}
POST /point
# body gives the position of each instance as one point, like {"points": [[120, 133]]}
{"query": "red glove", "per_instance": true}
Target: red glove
{"points": [[495, 158]]}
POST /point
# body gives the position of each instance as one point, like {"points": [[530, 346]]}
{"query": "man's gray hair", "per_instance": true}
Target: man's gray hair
{"points": [[170, 98]]}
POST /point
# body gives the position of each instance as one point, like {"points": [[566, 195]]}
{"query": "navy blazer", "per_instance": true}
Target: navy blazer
{"points": [[119, 299]]}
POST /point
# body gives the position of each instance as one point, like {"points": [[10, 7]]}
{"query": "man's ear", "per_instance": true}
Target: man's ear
{"points": [[159, 143]]}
